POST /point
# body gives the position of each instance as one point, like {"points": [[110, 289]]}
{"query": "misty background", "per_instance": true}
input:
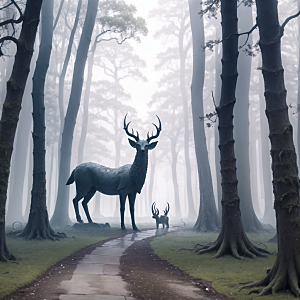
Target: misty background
{"points": [[143, 80]]}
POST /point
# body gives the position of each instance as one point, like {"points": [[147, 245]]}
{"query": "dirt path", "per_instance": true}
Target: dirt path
{"points": [[151, 278], [136, 273]]}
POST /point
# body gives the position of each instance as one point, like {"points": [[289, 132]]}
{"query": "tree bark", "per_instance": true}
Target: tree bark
{"points": [[218, 70], [38, 226], [232, 238], [269, 213], [285, 272], [85, 117], [174, 156], [241, 125], [208, 219], [61, 213], [12, 107], [61, 84]]}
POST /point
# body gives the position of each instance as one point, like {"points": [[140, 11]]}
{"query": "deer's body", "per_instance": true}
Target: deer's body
{"points": [[163, 219], [127, 180]]}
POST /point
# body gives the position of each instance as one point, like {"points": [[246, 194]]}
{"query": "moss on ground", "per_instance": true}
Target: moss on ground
{"points": [[225, 273], [35, 257]]}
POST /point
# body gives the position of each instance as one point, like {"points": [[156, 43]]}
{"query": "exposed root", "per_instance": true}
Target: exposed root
{"points": [[283, 275], [239, 246]]}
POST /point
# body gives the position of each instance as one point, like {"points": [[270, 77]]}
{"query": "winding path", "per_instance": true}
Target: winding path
{"points": [[123, 268]]}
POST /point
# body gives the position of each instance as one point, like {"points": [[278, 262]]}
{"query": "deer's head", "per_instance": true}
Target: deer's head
{"points": [[142, 145]]}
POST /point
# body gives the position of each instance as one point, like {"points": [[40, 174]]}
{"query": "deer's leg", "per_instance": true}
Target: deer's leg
{"points": [[75, 203], [122, 210], [85, 202], [131, 205]]}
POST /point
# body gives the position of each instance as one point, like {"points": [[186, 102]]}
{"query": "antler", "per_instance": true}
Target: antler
{"points": [[155, 211], [158, 130], [167, 209], [136, 137]]}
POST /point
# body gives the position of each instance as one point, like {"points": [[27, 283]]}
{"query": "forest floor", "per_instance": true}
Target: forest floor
{"points": [[150, 268]]}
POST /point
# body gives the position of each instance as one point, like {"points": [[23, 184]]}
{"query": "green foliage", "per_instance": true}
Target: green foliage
{"points": [[35, 257], [225, 273], [118, 17]]}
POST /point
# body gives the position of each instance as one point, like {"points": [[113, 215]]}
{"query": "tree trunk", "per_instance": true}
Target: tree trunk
{"points": [[269, 213], [12, 107], [38, 226], [61, 213], [208, 219], [232, 238], [218, 70], [14, 209], [50, 180], [285, 272], [151, 179], [85, 117], [174, 156], [241, 125], [191, 209], [29, 178], [61, 84]]}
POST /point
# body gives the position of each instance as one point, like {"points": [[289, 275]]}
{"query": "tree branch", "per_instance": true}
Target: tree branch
{"points": [[58, 13], [289, 19], [12, 21]]}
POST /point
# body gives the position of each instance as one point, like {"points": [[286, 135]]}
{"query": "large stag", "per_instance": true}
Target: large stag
{"points": [[124, 181], [163, 219]]}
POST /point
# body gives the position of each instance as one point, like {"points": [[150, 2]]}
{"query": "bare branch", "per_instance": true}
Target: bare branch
{"points": [[289, 19], [58, 13], [12, 21]]}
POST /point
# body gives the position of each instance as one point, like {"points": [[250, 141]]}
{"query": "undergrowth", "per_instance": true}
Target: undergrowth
{"points": [[226, 273]]}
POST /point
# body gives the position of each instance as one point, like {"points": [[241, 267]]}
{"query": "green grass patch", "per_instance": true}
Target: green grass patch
{"points": [[224, 273], [35, 257]]}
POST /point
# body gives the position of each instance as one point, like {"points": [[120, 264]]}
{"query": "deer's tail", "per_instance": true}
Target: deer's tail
{"points": [[71, 179]]}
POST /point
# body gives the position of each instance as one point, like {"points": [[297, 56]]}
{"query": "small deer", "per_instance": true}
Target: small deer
{"points": [[124, 181], [163, 219]]}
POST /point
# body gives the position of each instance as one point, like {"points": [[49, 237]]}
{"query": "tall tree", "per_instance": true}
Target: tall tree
{"points": [[241, 126], [208, 219], [38, 226], [61, 212], [12, 104], [232, 238], [15, 207], [62, 76], [285, 272], [175, 16]]}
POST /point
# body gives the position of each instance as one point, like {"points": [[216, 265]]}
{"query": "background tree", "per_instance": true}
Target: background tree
{"points": [[174, 15], [61, 212], [117, 20], [241, 126], [12, 103], [208, 219]]}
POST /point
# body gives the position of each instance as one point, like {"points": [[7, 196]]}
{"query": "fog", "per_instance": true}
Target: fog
{"points": [[141, 78]]}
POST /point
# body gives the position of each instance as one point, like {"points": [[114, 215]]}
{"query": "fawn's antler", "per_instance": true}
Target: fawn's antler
{"points": [[167, 209], [155, 211]]}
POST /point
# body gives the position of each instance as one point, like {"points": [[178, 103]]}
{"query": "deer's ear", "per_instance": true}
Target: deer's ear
{"points": [[152, 145], [133, 143]]}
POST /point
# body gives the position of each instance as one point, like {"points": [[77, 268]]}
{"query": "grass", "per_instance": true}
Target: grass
{"points": [[224, 273], [35, 257]]}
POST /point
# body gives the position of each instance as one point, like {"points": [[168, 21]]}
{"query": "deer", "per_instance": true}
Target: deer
{"points": [[125, 181], [163, 219]]}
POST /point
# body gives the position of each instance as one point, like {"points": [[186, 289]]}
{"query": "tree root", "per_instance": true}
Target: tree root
{"points": [[238, 246], [283, 275], [33, 232]]}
